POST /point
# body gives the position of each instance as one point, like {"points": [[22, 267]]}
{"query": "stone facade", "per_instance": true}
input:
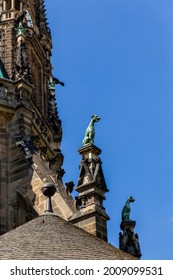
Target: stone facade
{"points": [[30, 139], [30, 127], [31, 131]]}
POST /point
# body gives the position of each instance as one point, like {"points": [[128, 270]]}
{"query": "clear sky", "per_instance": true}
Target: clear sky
{"points": [[116, 60]]}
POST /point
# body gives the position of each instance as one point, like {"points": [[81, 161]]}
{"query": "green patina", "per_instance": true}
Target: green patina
{"points": [[3, 72], [90, 131], [20, 30], [126, 209], [52, 84]]}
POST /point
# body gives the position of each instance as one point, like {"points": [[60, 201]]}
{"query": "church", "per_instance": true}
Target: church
{"points": [[31, 161]]}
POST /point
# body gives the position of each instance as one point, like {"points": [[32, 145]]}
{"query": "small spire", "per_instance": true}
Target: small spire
{"points": [[90, 213], [48, 190]]}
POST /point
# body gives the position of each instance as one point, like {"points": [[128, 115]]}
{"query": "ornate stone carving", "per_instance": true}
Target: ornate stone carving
{"points": [[22, 65], [69, 187], [60, 174], [128, 240], [3, 93], [6, 115]]}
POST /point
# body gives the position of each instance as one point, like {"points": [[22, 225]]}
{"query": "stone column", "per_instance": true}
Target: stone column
{"points": [[4, 5], [21, 6], [12, 4]]}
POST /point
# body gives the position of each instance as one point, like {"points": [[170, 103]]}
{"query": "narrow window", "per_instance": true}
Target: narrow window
{"points": [[8, 7]]}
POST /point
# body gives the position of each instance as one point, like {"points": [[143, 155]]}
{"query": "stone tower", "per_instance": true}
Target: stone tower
{"points": [[30, 128]]}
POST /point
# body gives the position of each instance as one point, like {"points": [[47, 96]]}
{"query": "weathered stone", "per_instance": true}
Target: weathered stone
{"points": [[91, 216], [30, 129]]}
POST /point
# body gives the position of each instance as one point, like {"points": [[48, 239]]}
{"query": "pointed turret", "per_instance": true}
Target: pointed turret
{"points": [[42, 19], [90, 212]]}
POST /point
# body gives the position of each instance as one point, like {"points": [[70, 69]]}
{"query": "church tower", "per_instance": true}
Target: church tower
{"points": [[31, 131], [30, 128]]}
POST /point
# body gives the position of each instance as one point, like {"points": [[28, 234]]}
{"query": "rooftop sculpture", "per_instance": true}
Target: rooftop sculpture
{"points": [[127, 209], [90, 131], [128, 240]]}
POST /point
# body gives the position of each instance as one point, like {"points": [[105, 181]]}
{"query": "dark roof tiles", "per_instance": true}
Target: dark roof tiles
{"points": [[51, 237]]}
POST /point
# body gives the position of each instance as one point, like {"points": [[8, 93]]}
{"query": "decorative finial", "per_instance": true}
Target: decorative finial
{"points": [[127, 209], [48, 190], [90, 131]]}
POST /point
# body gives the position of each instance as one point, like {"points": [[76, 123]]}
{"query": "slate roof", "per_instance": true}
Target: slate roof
{"points": [[51, 237]]}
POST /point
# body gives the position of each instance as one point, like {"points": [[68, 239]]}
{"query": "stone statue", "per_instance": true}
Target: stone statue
{"points": [[126, 209], [90, 131], [69, 187]]}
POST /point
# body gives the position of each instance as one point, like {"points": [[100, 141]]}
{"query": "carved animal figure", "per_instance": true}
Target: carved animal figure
{"points": [[127, 209], [90, 131], [69, 187], [54, 81]]}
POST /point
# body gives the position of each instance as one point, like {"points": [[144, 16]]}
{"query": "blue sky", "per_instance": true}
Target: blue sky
{"points": [[116, 60]]}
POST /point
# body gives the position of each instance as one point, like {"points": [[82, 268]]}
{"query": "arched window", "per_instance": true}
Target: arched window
{"points": [[17, 5], [8, 5]]}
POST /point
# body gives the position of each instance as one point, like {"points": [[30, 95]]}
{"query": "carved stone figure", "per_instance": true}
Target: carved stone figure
{"points": [[129, 241], [69, 187], [21, 17], [127, 209], [54, 81], [90, 131]]}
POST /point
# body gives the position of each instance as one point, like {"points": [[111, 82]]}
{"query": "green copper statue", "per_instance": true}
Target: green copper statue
{"points": [[51, 84], [126, 209], [54, 81], [90, 131], [20, 30]]}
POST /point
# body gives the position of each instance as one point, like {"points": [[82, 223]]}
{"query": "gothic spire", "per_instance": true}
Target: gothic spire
{"points": [[41, 18]]}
